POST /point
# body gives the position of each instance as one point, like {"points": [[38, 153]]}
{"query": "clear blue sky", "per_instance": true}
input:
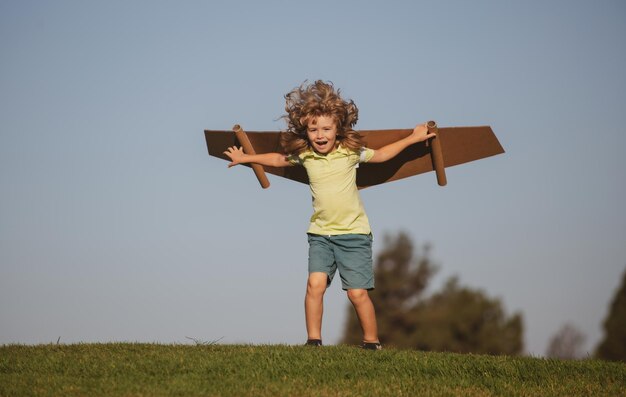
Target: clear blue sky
{"points": [[115, 225]]}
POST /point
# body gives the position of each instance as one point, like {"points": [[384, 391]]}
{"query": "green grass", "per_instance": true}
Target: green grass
{"points": [[127, 369]]}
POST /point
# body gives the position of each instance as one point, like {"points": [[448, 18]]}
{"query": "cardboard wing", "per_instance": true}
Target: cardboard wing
{"points": [[458, 145]]}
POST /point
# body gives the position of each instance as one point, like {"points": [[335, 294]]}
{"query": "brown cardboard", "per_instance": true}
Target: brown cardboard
{"points": [[242, 137], [458, 145], [437, 155]]}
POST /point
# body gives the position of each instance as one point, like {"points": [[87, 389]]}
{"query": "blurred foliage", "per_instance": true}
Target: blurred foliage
{"points": [[613, 346], [567, 343], [455, 319]]}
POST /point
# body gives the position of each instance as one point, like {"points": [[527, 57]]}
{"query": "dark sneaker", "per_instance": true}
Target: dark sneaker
{"points": [[313, 342], [372, 346]]}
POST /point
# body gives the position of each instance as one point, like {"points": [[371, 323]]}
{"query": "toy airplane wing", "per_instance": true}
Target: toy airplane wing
{"points": [[451, 146], [253, 142]]}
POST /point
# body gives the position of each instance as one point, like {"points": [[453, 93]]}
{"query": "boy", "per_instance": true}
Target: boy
{"points": [[320, 138]]}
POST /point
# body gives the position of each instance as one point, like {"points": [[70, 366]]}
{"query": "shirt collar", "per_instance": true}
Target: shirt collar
{"points": [[339, 151]]}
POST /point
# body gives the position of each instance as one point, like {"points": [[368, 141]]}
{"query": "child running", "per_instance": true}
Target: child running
{"points": [[320, 138]]}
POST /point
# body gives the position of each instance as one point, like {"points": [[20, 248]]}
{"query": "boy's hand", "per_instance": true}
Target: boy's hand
{"points": [[420, 133], [236, 154]]}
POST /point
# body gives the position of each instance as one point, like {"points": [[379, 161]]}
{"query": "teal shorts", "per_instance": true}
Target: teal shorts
{"points": [[351, 254]]}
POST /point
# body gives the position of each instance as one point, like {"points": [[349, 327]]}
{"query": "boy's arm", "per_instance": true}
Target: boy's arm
{"points": [[387, 152], [237, 156]]}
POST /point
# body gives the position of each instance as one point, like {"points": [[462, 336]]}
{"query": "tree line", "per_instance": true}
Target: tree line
{"points": [[458, 318]]}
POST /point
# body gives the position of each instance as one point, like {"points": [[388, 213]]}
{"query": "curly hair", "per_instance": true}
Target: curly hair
{"points": [[309, 101]]}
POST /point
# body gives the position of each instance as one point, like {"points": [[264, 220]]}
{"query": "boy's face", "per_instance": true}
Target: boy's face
{"points": [[322, 133]]}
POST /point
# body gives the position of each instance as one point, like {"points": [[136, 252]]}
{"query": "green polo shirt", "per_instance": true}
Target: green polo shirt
{"points": [[337, 206]]}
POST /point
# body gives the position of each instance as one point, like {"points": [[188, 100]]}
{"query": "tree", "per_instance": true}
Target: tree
{"points": [[457, 319], [613, 346], [465, 320], [567, 343]]}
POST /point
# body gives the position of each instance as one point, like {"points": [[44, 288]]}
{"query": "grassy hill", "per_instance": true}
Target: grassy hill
{"points": [[128, 369]]}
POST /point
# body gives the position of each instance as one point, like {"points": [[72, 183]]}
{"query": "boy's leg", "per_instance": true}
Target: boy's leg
{"points": [[365, 312], [314, 303], [354, 260]]}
